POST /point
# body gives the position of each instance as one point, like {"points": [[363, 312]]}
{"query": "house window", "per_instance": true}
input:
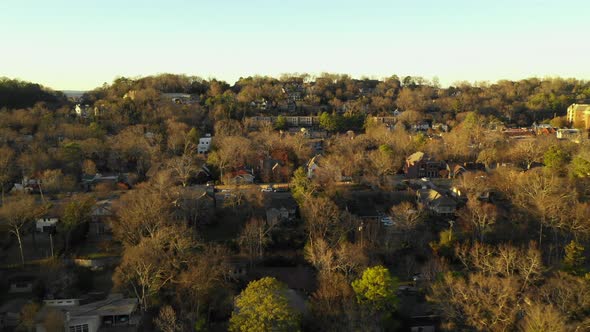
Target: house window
{"points": [[79, 328]]}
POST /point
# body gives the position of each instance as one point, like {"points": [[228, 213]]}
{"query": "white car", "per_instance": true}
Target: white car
{"points": [[386, 221], [266, 189]]}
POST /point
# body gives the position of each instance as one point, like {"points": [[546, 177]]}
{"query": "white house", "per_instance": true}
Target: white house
{"points": [[45, 225], [114, 311], [574, 135], [204, 144], [85, 110]]}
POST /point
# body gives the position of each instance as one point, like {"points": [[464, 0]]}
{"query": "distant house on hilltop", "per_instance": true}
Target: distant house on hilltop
{"points": [[181, 98]]}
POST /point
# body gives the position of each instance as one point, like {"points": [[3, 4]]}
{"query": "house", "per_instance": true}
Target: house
{"points": [[21, 284], [419, 165], [518, 133], [574, 135], [293, 91], [436, 202], [113, 312], [83, 111], [89, 181], [292, 121], [457, 170], [27, 185], [313, 165], [276, 216], [260, 104], [240, 177], [280, 209], [385, 119], [180, 98], [482, 194], [578, 115], [10, 313], [441, 127], [204, 144], [195, 204], [46, 225], [101, 212], [543, 129], [421, 126]]}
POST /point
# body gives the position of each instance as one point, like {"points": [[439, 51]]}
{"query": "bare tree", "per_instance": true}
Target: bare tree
{"points": [[481, 302], [207, 273], [542, 317], [167, 320], [482, 215], [184, 167], [140, 213], [16, 214], [230, 152], [255, 237], [154, 263]]}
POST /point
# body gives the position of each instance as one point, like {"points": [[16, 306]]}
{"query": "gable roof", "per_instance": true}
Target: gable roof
{"points": [[415, 157], [435, 198]]}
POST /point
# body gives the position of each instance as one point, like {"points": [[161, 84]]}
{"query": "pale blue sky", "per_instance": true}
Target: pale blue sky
{"points": [[80, 44]]}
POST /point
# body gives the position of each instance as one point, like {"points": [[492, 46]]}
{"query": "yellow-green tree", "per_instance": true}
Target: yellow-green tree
{"points": [[574, 258], [376, 289], [263, 306]]}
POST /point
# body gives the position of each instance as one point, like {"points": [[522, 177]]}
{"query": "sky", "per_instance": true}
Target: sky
{"points": [[79, 45]]}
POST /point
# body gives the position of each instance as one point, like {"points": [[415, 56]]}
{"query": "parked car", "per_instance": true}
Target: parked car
{"points": [[267, 189]]}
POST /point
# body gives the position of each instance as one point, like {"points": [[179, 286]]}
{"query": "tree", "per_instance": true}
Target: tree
{"points": [[322, 220], [184, 167], [569, 294], [580, 167], [331, 122], [302, 187], [193, 136], [528, 152], [263, 307], [16, 214], [230, 152], [7, 168], [479, 302], [574, 258], [332, 304], [376, 289], [141, 213], [255, 237], [154, 263], [482, 215], [542, 317], [281, 122], [76, 213], [88, 167], [406, 218], [202, 282], [167, 320], [54, 320], [556, 159], [27, 316]]}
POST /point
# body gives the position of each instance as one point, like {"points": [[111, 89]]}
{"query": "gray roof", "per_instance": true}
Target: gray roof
{"points": [[113, 305]]}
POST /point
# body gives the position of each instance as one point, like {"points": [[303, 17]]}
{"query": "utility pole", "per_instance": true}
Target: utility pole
{"points": [[451, 224], [51, 242]]}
